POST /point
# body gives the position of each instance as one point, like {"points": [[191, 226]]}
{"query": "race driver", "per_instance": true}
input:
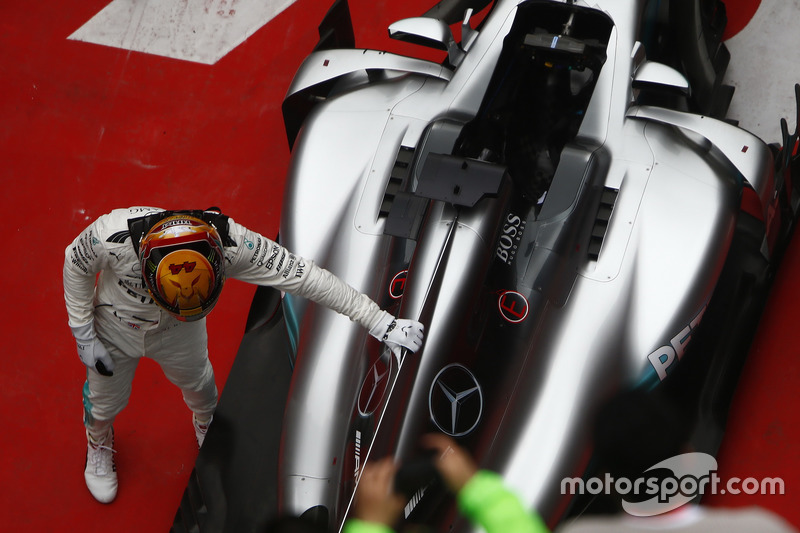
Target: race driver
{"points": [[160, 274]]}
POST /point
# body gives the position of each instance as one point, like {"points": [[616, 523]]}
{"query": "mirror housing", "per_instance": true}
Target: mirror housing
{"points": [[653, 74], [429, 32]]}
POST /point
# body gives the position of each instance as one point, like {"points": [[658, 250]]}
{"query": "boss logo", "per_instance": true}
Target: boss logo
{"points": [[509, 238]]}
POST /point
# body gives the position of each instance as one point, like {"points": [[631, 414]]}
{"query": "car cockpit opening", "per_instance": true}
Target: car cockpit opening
{"points": [[539, 92]]}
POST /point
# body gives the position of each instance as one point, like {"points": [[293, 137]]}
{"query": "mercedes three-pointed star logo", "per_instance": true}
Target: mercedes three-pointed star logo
{"points": [[455, 400], [374, 386]]}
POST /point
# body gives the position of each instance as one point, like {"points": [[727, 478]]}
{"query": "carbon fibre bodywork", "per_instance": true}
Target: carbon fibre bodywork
{"points": [[560, 202]]}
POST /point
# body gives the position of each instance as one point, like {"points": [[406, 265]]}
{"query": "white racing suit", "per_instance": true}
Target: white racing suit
{"points": [[131, 325]]}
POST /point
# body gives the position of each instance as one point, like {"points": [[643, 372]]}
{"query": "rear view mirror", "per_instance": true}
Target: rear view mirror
{"points": [[652, 74], [429, 32]]}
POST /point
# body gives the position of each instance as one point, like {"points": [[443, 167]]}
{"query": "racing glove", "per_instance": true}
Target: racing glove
{"points": [[91, 351], [398, 333]]}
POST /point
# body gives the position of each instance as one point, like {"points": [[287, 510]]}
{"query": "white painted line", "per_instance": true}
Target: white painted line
{"points": [[202, 31]]}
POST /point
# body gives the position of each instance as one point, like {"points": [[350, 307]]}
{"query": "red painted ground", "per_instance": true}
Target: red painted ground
{"points": [[85, 129]]}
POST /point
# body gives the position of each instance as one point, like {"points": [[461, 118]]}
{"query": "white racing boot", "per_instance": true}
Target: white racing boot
{"points": [[100, 471]]}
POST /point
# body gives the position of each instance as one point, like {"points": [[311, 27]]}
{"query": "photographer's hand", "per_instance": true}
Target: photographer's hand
{"points": [[453, 462], [376, 500]]}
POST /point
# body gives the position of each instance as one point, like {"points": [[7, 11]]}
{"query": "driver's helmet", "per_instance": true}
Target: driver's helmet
{"points": [[183, 266]]}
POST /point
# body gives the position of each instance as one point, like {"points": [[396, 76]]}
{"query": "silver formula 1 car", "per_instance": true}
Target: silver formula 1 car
{"points": [[564, 205]]}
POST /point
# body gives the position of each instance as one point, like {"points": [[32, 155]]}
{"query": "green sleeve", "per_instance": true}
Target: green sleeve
{"points": [[487, 502], [360, 526]]}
